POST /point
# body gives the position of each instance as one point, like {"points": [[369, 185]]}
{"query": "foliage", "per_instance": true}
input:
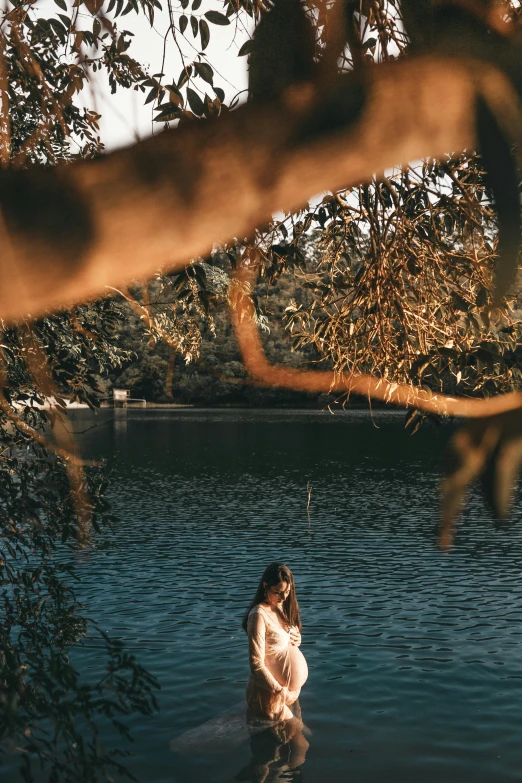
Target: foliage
{"points": [[402, 284], [205, 369], [50, 714], [49, 507], [396, 276]]}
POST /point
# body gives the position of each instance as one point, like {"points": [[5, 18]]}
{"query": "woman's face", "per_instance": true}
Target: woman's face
{"points": [[277, 594]]}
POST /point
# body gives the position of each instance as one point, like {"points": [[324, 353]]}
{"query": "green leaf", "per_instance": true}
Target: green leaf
{"points": [[216, 18], [183, 22], [204, 32], [220, 93], [196, 4], [61, 4], [194, 25]]}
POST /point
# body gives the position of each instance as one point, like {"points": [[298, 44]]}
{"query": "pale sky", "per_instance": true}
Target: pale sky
{"points": [[124, 117]]}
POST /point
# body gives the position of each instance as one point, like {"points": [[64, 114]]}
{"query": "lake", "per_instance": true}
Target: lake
{"points": [[415, 656]]}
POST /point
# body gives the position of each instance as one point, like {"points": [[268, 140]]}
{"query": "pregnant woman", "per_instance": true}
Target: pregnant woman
{"points": [[278, 668]]}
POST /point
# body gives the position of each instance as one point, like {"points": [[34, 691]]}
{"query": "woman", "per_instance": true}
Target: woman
{"points": [[278, 668]]}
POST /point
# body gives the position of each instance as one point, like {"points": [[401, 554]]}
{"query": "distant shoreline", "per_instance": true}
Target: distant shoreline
{"points": [[196, 406]]}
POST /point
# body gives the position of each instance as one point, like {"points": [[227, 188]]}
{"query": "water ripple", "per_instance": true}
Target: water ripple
{"points": [[414, 655]]}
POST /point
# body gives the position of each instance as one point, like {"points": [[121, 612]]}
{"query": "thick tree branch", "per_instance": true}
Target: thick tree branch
{"points": [[369, 386], [68, 232]]}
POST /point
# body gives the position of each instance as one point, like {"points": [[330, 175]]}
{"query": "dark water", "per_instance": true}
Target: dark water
{"points": [[414, 656]]}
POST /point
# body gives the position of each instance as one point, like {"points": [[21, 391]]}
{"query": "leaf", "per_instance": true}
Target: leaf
{"points": [[459, 303], [482, 297], [184, 4], [168, 111], [369, 44], [183, 22], [56, 25], [195, 102], [151, 96], [61, 4], [414, 267], [194, 25], [186, 73], [205, 72], [410, 417], [196, 4], [204, 32], [246, 48], [220, 93], [216, 18], [175, 95]]}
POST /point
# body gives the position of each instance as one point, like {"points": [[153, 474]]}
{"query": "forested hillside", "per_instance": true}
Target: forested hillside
{"points": [[217, 376]]}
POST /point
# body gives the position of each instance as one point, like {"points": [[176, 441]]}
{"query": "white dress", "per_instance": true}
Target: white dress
{"points": [[275, 664]]}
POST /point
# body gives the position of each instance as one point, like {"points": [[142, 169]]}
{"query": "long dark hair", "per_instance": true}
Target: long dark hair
{"points": [[272, 575]]}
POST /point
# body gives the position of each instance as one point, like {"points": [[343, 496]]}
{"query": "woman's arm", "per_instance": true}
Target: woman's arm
{"points": [[256, 653]]}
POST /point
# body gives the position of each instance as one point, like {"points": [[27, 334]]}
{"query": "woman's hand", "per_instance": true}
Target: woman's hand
{"points": [[295, 636], [290, 696]]}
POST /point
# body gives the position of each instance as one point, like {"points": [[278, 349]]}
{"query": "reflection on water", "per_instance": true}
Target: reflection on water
{"points": [[414, 656], [278, 749], [278, 753]]}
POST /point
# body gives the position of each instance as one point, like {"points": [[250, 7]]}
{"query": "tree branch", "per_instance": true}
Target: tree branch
{"points": [[70, 231]]}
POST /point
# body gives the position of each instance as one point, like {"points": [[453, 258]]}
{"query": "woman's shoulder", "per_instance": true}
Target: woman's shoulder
{"points": [[255, 612]]}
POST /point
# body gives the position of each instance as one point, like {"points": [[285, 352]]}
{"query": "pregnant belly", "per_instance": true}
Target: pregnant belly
{"points": [[298, 668], [289, 668]]}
